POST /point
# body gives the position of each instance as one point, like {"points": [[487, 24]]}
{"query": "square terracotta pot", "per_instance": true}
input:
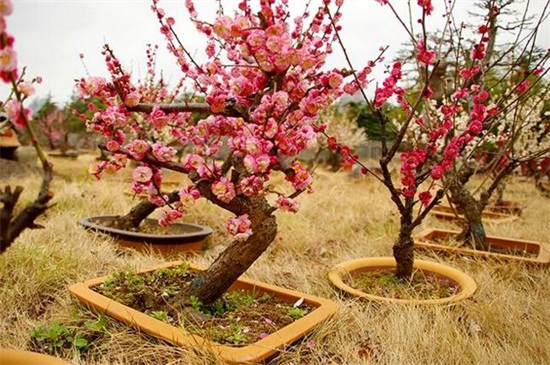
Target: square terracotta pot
{"points": [[427, 240], [250, 354], [507, 207], [447, 213]]}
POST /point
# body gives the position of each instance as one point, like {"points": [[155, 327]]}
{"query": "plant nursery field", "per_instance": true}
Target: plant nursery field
{"points": [[505, 322]]}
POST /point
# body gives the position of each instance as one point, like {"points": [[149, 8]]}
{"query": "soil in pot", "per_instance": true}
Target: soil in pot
{"points": [[239, 318], [384, 283]]}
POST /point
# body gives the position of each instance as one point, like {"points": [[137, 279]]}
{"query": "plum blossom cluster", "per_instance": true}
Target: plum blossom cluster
{"points": [[16, 112], [264, 83]]}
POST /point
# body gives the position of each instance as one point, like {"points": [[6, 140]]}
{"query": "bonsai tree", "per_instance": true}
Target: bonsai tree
{"points": [[520, 137], [434, 139], [514, 74], [264, 86], [14, 220], [51, 125]]}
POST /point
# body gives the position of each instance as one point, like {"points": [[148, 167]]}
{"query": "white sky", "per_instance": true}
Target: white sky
{"points": [[50, 34]]}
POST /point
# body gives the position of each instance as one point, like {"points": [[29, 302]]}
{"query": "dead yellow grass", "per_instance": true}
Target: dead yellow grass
{"points": [[505, 323]]}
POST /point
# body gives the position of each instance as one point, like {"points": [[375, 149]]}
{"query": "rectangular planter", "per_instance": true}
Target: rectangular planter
{"points": [[250, 354], [447, 213], [426, 240], [507, 207]]}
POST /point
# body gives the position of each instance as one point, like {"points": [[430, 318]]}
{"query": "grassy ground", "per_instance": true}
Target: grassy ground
{"points": [[506, 322]]}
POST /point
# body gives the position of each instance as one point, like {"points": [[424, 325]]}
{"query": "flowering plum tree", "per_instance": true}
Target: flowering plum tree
{"points": [[514, 74], [432, 162], [520, 137], [264, 85], [12, 225]]}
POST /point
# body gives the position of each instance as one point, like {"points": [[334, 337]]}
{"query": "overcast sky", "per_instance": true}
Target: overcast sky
{"points": [[50, 34]]}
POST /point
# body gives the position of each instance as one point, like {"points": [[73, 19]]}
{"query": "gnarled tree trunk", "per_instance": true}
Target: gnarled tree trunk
{"points": [[235, 259], [132, 220], [473, 233]]}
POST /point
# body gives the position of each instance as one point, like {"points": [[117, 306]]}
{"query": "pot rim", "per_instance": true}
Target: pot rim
{"points": [[201, 233], [466, 284], [542, 258], [252, 353]]}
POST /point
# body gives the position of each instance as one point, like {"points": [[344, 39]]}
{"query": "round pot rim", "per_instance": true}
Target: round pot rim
{"points": [[201, 233], [467, 285], [14, 356]]}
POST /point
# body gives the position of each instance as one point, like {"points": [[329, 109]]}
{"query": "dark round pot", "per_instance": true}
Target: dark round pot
{"points": [[179, 237]]}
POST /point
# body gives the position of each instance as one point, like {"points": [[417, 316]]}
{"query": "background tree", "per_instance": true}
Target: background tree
{"points": [[14, 221], [430, 164]]}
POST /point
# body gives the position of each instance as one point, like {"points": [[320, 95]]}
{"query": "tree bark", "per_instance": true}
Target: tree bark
{"points": [[473, 232], [132, 220], [403, 248], [235, 259]]}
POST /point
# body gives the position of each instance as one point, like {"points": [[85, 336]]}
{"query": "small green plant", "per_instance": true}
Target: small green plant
{"points": [[56, 338], [296, 313], [160, 315], [196, 304], [239, 299]]}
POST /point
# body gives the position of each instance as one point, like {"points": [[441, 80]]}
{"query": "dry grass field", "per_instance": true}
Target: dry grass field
{"points": [[506, 322]]}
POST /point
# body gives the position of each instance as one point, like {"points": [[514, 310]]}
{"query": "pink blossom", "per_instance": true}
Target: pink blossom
{"points": [[95, 169], [239, 227], [112, 145], [251, 186], [224, 190], [169, 216], [13, 110], [188, 196], [426, 6], [423, 55], [138, 148], [301, 178], [8, 60], [522, 86], [6, 8], [142, 174], [26, 88], [287, 205], [437, 172], [158, 118], [425, 197], [163, 153], [222, 27], [132, 99]]}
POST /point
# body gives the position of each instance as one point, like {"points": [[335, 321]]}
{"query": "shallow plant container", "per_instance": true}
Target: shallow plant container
{"points": [[72, 154], [20, 357], [507, 207], [447, 213], [180, 237], [250, 354], [340, 272], [534, 252]]}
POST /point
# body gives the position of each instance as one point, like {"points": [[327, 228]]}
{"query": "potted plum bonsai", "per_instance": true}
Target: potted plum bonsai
{"points": [[517, 135], [13, 219], [264, 86], [134, 230], [428, 143]]}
